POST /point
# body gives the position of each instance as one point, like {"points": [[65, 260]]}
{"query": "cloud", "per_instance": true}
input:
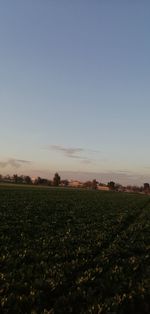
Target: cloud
{"points": [[72, 152], [12, 162], [69, 152]]}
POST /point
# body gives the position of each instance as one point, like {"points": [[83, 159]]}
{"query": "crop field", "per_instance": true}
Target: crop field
{"points": [[71, 251]]}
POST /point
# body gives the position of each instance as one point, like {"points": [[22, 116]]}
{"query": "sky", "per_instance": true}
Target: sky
{"points": [[74, 89]]}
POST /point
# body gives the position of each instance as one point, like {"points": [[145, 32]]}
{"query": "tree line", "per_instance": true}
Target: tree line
{"points": [[21, 179], [57, 181]]}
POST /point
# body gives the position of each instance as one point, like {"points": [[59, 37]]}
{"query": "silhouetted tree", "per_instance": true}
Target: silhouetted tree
{"points": [[18, 179], [27, 180], [146, 187], [56, 179], [111, 185], [38, 180], [94, 184], [135, 188], [8, 178], [15, 178], [87, 184], [64, 182]]}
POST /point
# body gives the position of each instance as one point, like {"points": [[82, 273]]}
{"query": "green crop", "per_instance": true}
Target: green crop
{"points": [[71, 251]]}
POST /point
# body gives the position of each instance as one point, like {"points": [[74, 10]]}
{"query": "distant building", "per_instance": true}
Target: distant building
{"points": [[103, 188], [75, 184]]}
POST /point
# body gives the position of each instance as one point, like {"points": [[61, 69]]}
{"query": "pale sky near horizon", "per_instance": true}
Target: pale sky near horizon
{"points": [[75, 88]]}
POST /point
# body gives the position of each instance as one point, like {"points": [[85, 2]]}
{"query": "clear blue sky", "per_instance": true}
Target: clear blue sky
{"points": [[75, 88]]}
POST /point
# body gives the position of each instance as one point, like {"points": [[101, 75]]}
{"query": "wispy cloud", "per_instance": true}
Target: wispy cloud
{"points": [[15, 163], [69, 152], [74, 152]]}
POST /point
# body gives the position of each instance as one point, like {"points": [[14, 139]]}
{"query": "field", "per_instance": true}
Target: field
{"points": [[72, 251]]}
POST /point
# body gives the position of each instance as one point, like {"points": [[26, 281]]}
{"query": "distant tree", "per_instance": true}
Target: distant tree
{"points": [[87, 184], [15, 178], [129, 187], [7, 178], [21, 179], [64, 182], [50, 183], [135, 188], [56, 179], [94, 184], [118, 187], [101, 184], [39, 181], [44, 181], [111, 185], [146, 187], [27, 180], [141, 188]]}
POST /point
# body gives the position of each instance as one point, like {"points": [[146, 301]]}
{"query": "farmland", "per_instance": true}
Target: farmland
{"points": [[72, 251]]}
